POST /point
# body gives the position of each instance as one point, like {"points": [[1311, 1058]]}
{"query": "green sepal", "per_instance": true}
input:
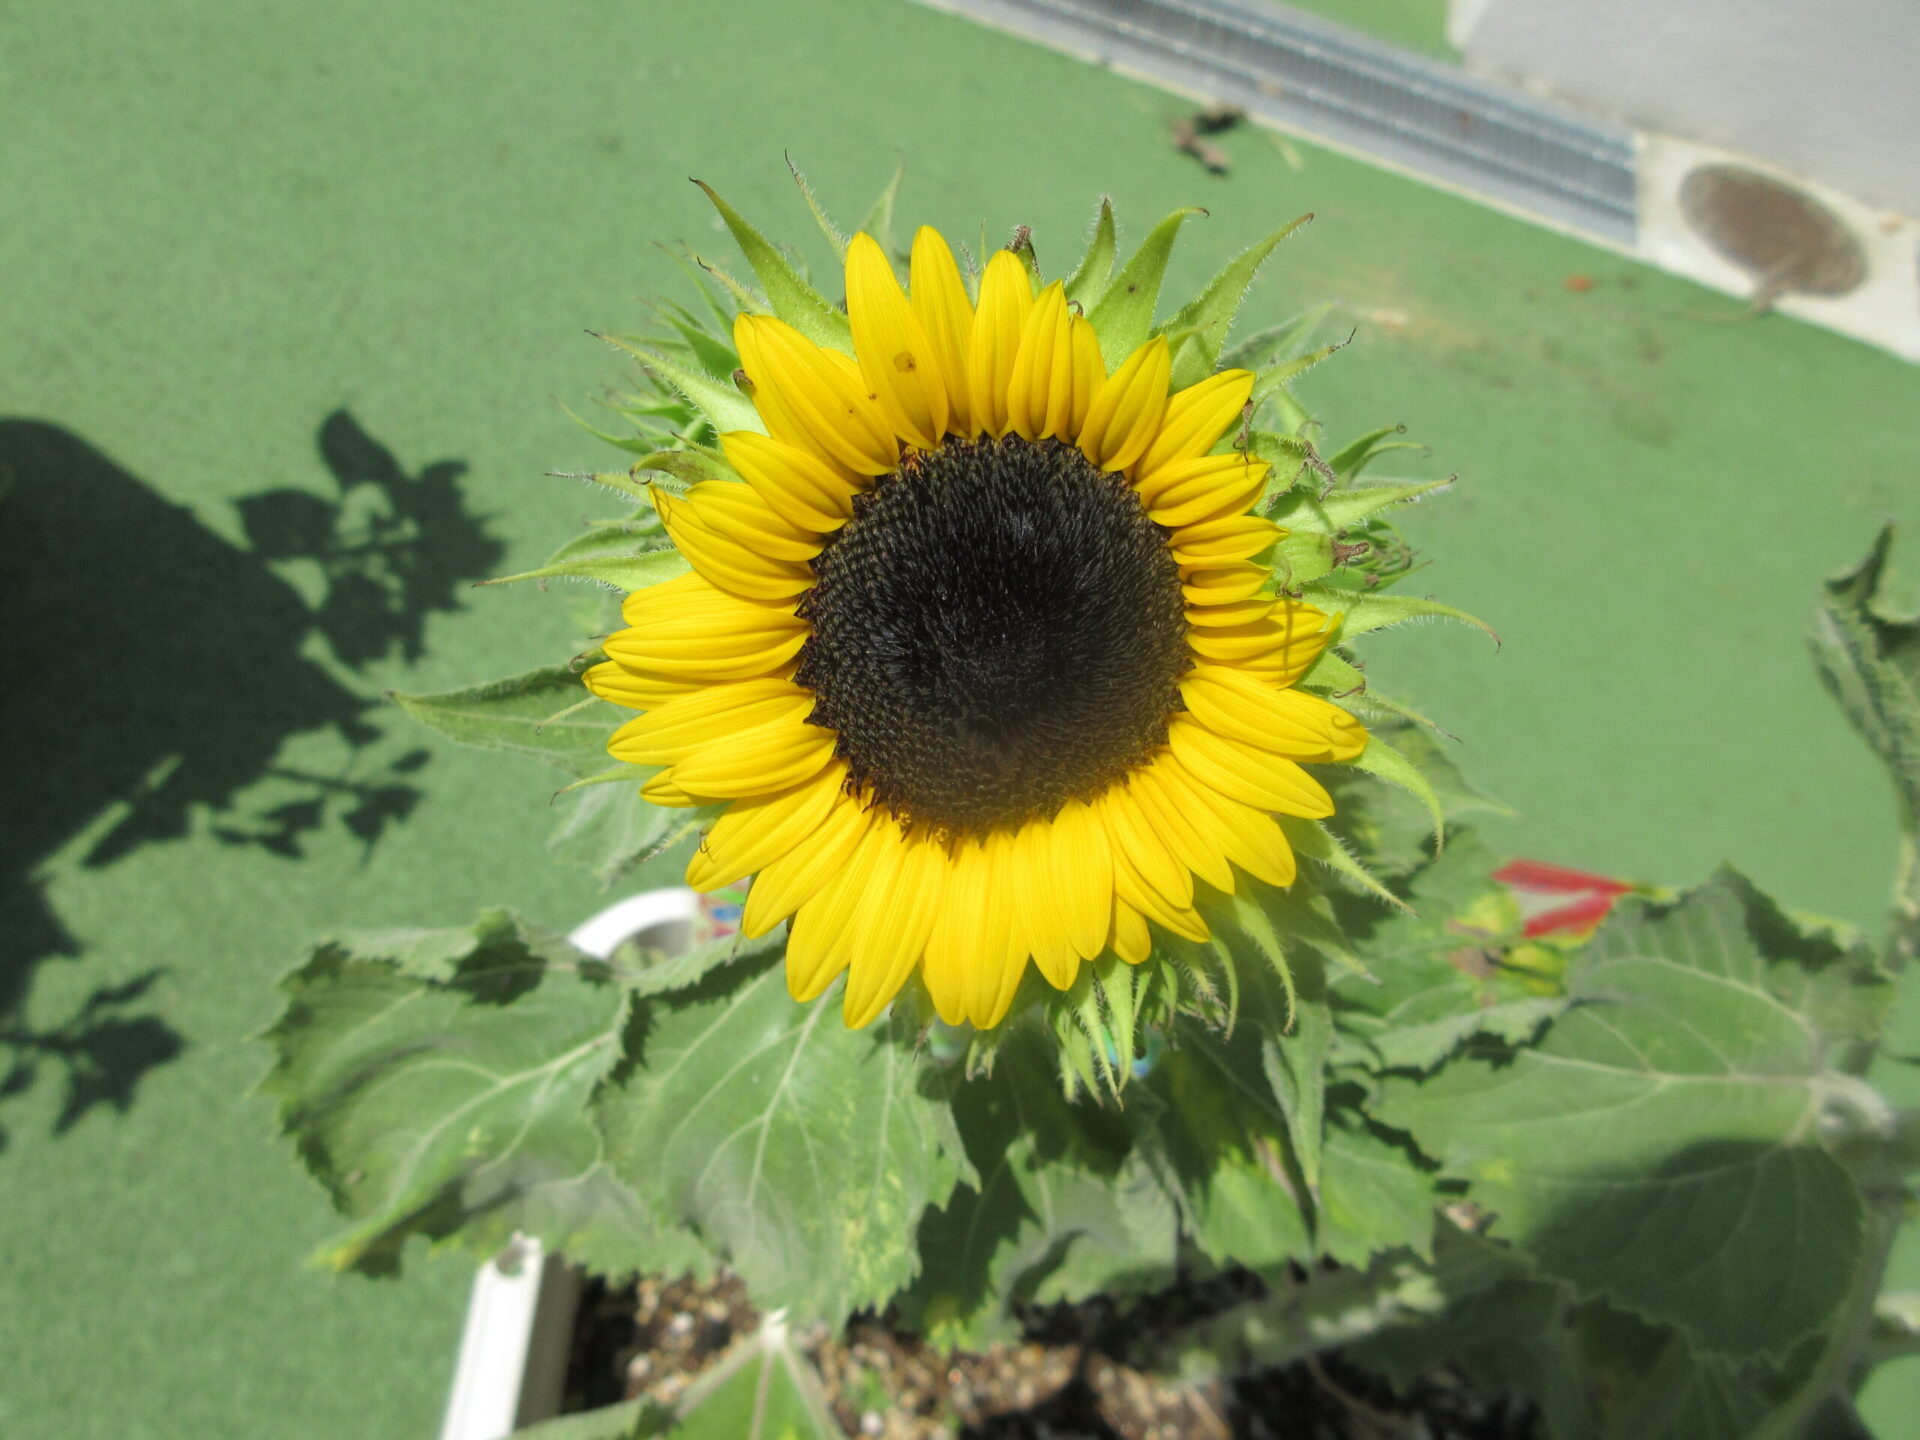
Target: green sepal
{"points": [[820, 218], [520, 714], [1205, 320], [1382, 760], [1364, 611], [1334, 673], [625, 573], [1301, 557], [792, 298], [713, 355], [724, 407], [879, 221], [1346, 507], [1260, 349], [1123, 316], [1090, 277], [621, 482], [688, 467], [1271, 383], [1313, 840], [633, 444]]}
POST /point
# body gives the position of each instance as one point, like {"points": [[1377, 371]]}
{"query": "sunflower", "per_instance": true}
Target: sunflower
{"points": [[982, 661]]}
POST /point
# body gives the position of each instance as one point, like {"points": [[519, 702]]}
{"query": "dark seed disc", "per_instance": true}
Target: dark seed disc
{"points": [[999, 629]]}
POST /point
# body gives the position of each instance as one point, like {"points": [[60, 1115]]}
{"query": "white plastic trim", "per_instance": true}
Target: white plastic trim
{"points": [[512, 1365]]}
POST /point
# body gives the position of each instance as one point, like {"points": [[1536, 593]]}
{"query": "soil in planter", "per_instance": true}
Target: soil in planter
{"points": [[1065, 1381]]}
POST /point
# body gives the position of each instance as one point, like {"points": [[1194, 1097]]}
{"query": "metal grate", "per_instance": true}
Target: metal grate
{"points": [[1428, 119]]}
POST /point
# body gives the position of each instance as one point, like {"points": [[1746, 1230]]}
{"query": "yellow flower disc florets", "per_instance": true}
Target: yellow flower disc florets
{"points": [[981, 658]]}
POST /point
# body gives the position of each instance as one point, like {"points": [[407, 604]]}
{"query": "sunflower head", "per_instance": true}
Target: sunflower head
{"points": [[990, 657]]}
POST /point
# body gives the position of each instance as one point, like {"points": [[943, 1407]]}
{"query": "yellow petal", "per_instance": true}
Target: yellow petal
{"points": [[1224, 584], [724, 561], [810, 400], [1234, 612], [785, 884], [1217, 542], [660, 790], [901, 367], [939, 298], [1040, 391], [894, 923], [1089, 375], [1126, 412], [1040, 917], [809, 492], [670, 732], [754, 833], [610, 682], [1130, 889], [736, 513], [754, 762], [1082, 876], [1252, 839], [700, 633], [956, 930], [819, 941], [1245, 772], [1281, 645], [1002, 958], [1183, 833], [1006, 299], [1138, 849], [1209, 488], [1131, 940], [1196, 418], [1244, 706]]}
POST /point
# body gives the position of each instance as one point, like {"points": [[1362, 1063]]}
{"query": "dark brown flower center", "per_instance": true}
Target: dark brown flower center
{"points": [[999, 629]]}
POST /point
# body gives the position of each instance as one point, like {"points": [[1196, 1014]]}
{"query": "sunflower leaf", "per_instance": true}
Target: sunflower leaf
{"points": [[792, 298], [1220, 1139], [1296, 1068], [1089, 279], [1659, 1146], [1347, 507], [437, 1083], [724, 407], [1123, 316], [1870, 662], [1061, 1210], [1206, 318], [518, 714], [802, 1152]]}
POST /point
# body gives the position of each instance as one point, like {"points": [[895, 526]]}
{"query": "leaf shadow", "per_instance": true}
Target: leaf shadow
{"points": [[154, 672]]}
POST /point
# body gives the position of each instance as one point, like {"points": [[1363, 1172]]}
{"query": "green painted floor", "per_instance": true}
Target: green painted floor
{"points": [[270, 265]]}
